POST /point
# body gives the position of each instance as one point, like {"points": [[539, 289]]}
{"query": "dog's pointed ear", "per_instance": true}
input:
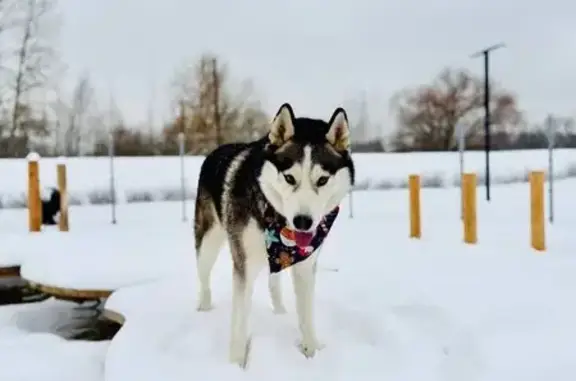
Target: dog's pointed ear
{"points": [[339, 132], [282, 128]]}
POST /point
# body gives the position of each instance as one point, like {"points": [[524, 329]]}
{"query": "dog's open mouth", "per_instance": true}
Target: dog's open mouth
{"points": [[302, 238]]}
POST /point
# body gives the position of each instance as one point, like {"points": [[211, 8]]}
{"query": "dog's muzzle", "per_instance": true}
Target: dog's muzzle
{"points": [[302, 233]]}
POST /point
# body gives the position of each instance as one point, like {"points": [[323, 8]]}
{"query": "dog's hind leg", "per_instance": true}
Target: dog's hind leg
{"points": [[304, 279], [249, 256], [209, 236], [274, 286], [207, 254]]}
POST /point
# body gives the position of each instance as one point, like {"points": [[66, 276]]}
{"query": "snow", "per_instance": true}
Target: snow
{"points": [[17, 244], [387, 307], [33, 156], [80, 262], [158, 177], [30, 350]]}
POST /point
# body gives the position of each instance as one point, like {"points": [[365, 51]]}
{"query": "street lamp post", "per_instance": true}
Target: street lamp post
{"points": [[486, 54]]}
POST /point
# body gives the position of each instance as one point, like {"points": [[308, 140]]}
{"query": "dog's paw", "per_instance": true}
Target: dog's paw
{"points": [[203, 307], [240, 354], [309, 348], [279, 310], [204, 302]]}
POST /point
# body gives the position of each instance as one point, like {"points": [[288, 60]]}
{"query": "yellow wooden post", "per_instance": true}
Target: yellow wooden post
{"points": [[469, 208], [537, 230], [34, 201], [415, 222], [462, 197], [63, 189]]}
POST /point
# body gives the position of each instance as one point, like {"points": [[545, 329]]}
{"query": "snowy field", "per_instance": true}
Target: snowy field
{"points": [[388, 308], [158, 178]]}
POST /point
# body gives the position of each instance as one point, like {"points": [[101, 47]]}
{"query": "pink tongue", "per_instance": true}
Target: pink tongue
{"points": [[303, 239]]}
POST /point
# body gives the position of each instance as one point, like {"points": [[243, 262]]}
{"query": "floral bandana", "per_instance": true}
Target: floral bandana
{"points": [[281, 246]]}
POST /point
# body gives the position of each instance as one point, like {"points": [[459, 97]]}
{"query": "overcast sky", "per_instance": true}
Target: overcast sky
{"points": [[316, 54]]}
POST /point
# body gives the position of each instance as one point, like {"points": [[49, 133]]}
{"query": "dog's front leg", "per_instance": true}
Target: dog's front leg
{"points": [[304, 279], [274, 286], [248, 254]]}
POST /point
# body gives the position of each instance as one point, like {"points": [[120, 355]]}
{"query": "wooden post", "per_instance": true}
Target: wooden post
{"points": [[63, 189], [34, 201], [469, 208], [415, 222], [537, 226]]}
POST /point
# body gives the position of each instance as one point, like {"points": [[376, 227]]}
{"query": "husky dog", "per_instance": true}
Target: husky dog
{"points": [[274, 201]]}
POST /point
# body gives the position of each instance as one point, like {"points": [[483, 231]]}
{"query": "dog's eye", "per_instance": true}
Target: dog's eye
{"points": [[322, 180], [290, 179]]}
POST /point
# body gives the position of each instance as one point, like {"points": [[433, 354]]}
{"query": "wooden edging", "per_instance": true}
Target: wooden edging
{"points": [[70, 293], [76, 295], [10, 271]]}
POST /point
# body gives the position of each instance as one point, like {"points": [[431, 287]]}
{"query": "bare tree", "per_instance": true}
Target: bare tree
{"points": [[7, 26], [109, 123], [33, 58], [357, 109], [363, 129], [563, 133], [211, 113], [428, 115], [79, 117]]}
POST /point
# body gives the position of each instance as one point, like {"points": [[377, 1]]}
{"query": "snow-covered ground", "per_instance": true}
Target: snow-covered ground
{"points": [[388, 308], [158, 178], [31, 350]]}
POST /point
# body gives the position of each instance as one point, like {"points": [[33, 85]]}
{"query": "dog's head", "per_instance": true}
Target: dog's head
{"points": [[308, 168]]}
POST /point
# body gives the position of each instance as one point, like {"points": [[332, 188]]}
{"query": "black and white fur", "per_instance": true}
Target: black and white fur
{"points": [[303, 169], [51, 207]]}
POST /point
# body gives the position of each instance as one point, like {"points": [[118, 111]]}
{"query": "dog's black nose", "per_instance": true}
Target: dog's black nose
{"points": [[302, 222]]}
